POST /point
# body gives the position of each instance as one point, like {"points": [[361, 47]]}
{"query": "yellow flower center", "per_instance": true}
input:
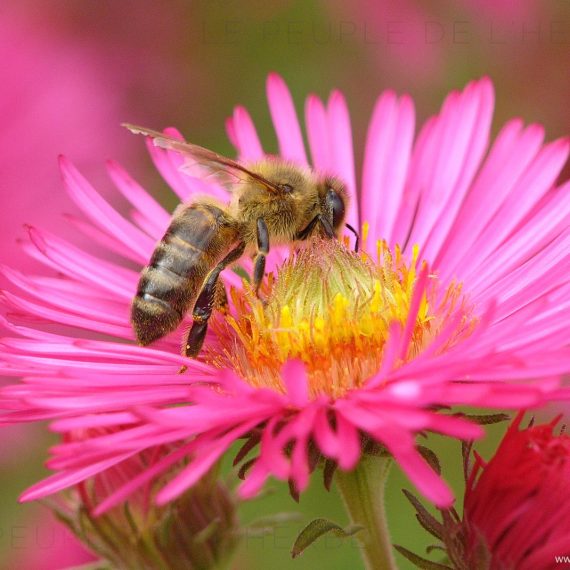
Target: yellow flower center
{"points": [[333, 309]]}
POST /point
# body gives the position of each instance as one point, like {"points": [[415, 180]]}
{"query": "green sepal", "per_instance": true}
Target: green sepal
{"points": [[486, 419], [328, 473], [430, 457], [245, 467], [466, 448], [425, 518], [293, 491], [433, 547], [251, 442]]}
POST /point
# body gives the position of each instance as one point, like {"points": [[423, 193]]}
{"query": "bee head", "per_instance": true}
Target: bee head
{"points": [[289, 185], [290, 197]]}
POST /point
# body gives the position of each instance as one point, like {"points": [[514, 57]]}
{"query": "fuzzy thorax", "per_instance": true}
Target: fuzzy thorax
{"points": [[335, 310]]}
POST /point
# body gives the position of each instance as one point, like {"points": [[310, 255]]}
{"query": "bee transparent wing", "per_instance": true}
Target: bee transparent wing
{"points": [[219, 165]]}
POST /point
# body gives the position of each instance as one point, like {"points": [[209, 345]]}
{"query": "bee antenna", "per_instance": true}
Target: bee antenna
{"points": [[356, 235]]}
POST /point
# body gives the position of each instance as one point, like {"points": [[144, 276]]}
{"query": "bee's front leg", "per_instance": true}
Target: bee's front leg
{"points": [[262, 251], [205, 303]]}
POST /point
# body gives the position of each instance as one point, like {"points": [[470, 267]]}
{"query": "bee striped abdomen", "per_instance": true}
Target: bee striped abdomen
{"points": [[196, 239]]}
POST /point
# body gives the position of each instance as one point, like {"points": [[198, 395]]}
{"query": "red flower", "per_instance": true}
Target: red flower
{"points": [[519, 502]]}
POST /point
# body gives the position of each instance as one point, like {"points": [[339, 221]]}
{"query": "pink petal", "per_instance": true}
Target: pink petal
{"points": [[66, 479], [461, 154], [155, 216], [122, 493], [419, 290], [317, 132], [285, 120], [246, 138], [342, 152], [296, 382], [387, 155], [537, 180], [427, 481], [349, 443], [100, 212], [512, 152], [200, 465]]}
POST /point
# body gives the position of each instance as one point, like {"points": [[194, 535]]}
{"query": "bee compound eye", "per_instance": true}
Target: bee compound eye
{"points": [[336, 204], [287, 188]]}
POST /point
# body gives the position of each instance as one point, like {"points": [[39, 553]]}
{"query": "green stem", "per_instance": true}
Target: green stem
{"points": [[363, 493]]}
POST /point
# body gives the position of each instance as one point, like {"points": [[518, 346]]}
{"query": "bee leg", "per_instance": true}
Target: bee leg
{"points": [[262, 251], [357, 241], [221, 298], [205, 303], [304, 234], [327, 226]]}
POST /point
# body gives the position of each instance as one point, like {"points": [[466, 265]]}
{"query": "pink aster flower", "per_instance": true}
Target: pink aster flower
{"points": [[460, 297]]}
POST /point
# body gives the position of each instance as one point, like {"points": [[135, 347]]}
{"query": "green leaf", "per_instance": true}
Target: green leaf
{"points": [[419, 561], [317, 528]]}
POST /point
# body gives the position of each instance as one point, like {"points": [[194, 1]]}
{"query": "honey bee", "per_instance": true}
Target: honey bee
{"points": [[272, 202]]}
